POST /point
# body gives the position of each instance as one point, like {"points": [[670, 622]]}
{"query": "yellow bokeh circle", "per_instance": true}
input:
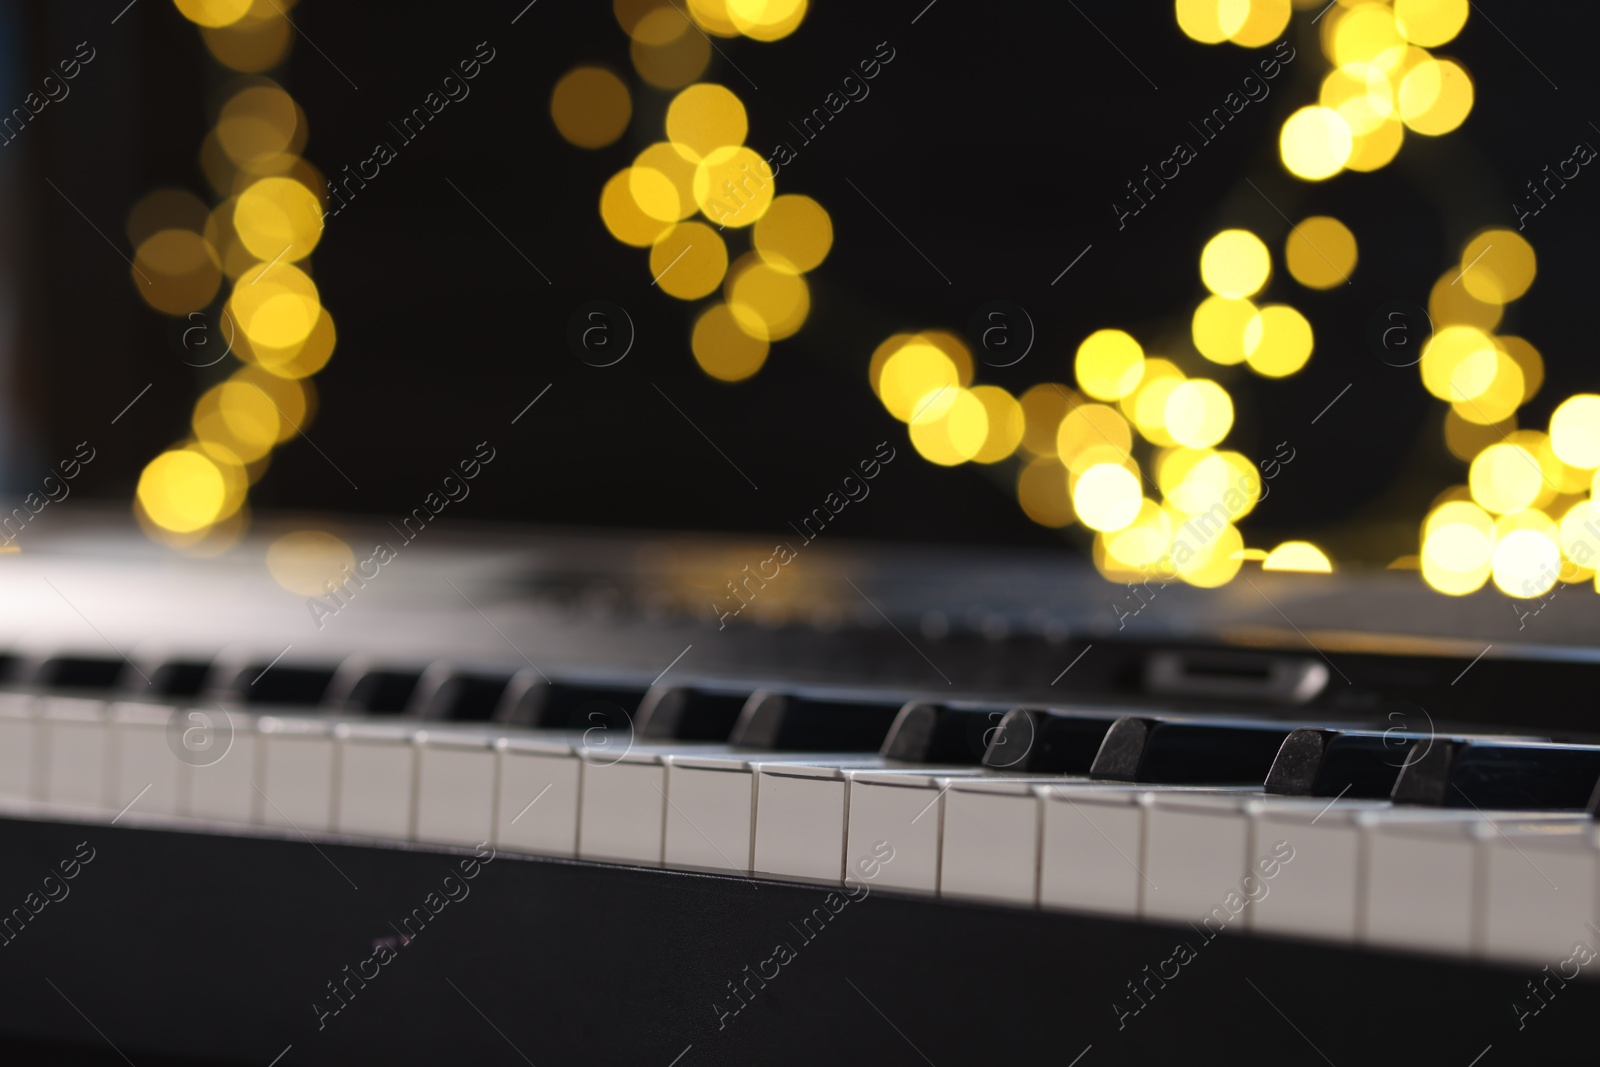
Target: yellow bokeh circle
{"points": [[1235, 264], [182, 491], [1109, 364]]}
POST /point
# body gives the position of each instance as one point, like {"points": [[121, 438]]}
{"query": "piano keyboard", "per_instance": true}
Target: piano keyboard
{"points": [[1464, 846]]}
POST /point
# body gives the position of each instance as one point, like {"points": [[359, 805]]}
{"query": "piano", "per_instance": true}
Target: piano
{"points": [[546, 823], [725, 532]]}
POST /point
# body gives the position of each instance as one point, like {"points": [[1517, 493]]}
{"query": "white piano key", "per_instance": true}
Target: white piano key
{"points": [[710, 822], [991, 840], [222, 785], [711, 817], [539, 790], [800, 819], [620, 815], [1306, 856], [1092, 847], [376, 768], [77, 745], [624, 799], [898, 810], [455, 787], [143, 759], [1195, 857], [20, 781], [1422, 880], [1541, 889], [297, 770]]}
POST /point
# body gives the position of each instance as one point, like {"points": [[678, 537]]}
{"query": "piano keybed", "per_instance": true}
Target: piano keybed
{"points": [[1164, 818]]}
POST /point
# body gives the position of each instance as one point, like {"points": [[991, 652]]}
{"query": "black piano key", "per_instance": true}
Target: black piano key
{"points": [[1298, 762], [1425, 776], [1315, 762], [567, 705], [682, 713], [449, 694], [936, 733], [379, 690], [522, 698], [788, 723], [1503, 777], [178, 679], [266, 682], [1188, 753], [1047, 742], [81, 673]]}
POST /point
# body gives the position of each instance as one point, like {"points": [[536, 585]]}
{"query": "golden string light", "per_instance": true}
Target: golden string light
{"points": [[257, 238], [1075, 447], [1525, 517], [704, 167]]}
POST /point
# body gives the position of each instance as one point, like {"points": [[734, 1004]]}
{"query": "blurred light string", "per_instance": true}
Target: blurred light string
{"points": [[235, 278]]}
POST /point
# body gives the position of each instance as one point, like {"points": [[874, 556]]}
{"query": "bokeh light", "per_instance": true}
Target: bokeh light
{"points": [[795, 234], [1199, 413], [590, 107], [1366, 33], [705, 117], [1457, 548], [1005, 422], [259, 41], [950, 428], [622, 215], [733, 186], [1435, 97], [1488, 388], [688, 261], [181, 491], [661, 183], [712, 16], [305, 561], [1528, 360], [259, 122], [1214, 562], [1090, 427], [1302, 556], [1526, 563], [1498, 266], [1109, 364], [1320, 252], [1107, 497], [1430, 23], [723, 349], [1042, 492], [213, 12], [1218, 329], [1144, 542], [1253, 23], [1235, 264], [176, 271], [914, 373], [1505, 478], [768, 303], [1315, 143], [275, 304], [1445, 355], [666, 50], [1575, 431], [1043, 407], [766, 20], [278, 219], [1278, 341]]}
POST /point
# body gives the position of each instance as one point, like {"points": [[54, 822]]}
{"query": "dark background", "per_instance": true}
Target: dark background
{"points": [[996, 140]]}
